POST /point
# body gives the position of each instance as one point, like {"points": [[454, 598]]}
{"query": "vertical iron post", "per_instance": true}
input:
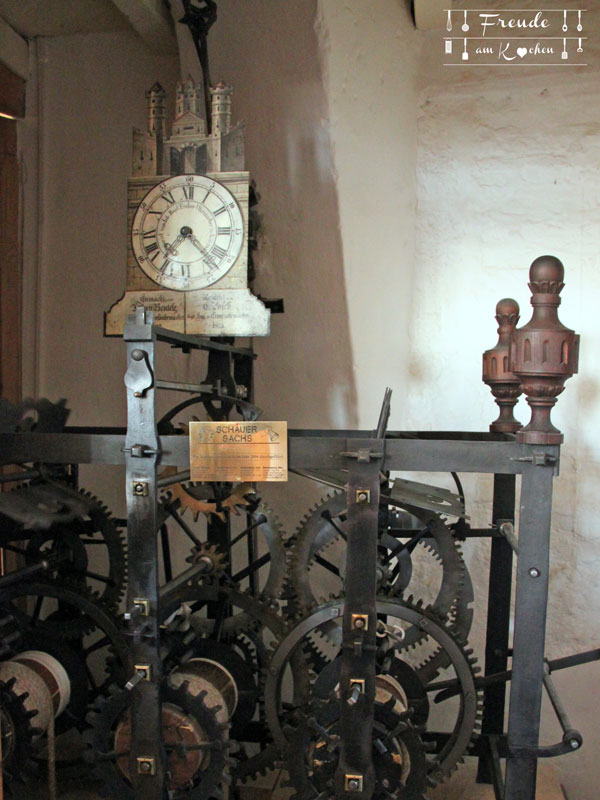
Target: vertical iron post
{"points": [[530, 621], [498, 617], [146, 761], [355, 777]]}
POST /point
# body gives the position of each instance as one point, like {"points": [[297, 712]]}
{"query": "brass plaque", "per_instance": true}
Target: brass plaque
{"points": [[238, 451]]}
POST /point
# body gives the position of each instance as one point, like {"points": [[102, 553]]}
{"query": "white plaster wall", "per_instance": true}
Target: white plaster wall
{"points": [[508, 170], [369, 54]]}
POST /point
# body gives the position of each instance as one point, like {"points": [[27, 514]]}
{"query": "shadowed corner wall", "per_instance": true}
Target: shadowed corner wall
{"points": [[89, 90]]}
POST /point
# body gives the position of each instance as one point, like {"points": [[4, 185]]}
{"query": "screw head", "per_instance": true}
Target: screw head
{"points": [[137, 355], [359, 623], [574, 744], [534, 572]]}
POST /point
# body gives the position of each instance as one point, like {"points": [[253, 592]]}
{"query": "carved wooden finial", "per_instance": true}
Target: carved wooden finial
{"points": [[543, 353], [505, 386]]}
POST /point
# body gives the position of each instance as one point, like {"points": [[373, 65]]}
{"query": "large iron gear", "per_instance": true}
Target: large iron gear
{"points": [[195, 740], [79, 622], [433, 633], [86, 549], [314, 544]]}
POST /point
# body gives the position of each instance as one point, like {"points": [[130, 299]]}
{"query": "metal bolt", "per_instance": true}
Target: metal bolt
{"points": [[363, 496], [354, 695], [360, 621], [140, 489], [353, 783], [145, 765], [133, 682], [137, 355], [534, 572], [574, 744]]}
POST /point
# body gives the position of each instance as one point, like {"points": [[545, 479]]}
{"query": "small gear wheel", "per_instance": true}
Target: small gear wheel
{"points": [[398, 753], [18, 733], [209, 557]]}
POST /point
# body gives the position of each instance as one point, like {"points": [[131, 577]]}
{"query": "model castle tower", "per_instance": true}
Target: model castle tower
{"points": [[189, 149]]}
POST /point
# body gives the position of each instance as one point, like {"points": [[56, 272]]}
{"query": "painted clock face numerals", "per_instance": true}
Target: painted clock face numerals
{"points": [[187, 232]]}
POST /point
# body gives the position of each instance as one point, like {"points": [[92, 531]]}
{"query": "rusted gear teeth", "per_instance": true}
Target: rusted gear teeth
{"points": [[210, 558], [240, 497]]}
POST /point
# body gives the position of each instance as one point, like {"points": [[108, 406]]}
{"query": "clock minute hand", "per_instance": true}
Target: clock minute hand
{"points": [[203, 250]]}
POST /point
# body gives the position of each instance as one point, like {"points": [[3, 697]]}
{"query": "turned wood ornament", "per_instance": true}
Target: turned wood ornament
{"points": [[543, 353], [504, 385]]}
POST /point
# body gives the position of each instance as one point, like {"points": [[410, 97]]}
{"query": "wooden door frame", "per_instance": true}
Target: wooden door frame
{"points": [[12, 108]]}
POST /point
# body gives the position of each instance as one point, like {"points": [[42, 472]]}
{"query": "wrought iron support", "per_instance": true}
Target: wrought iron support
{"points": [[498, 618], [147, 758], [355, 777], [530, 624]]}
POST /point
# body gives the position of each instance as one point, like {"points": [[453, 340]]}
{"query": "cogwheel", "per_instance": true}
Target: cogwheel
{"points": [[87, 549], [18, 733], [262, 628], [316, 556], [398, 754], [73, 615], [210, 558], [260, 546], [196, 743], [464, 720], [234, 611], [195, 498]]}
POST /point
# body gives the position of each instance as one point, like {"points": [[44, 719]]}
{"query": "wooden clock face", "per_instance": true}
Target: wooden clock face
{"points": [[187, 232]]}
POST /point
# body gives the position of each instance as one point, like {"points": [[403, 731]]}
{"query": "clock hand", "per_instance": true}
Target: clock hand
{"points": [[172, 248], [203, 250]]}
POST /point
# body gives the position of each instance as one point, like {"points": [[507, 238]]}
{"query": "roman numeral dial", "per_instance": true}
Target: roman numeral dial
{"points": [[187, 233]]}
